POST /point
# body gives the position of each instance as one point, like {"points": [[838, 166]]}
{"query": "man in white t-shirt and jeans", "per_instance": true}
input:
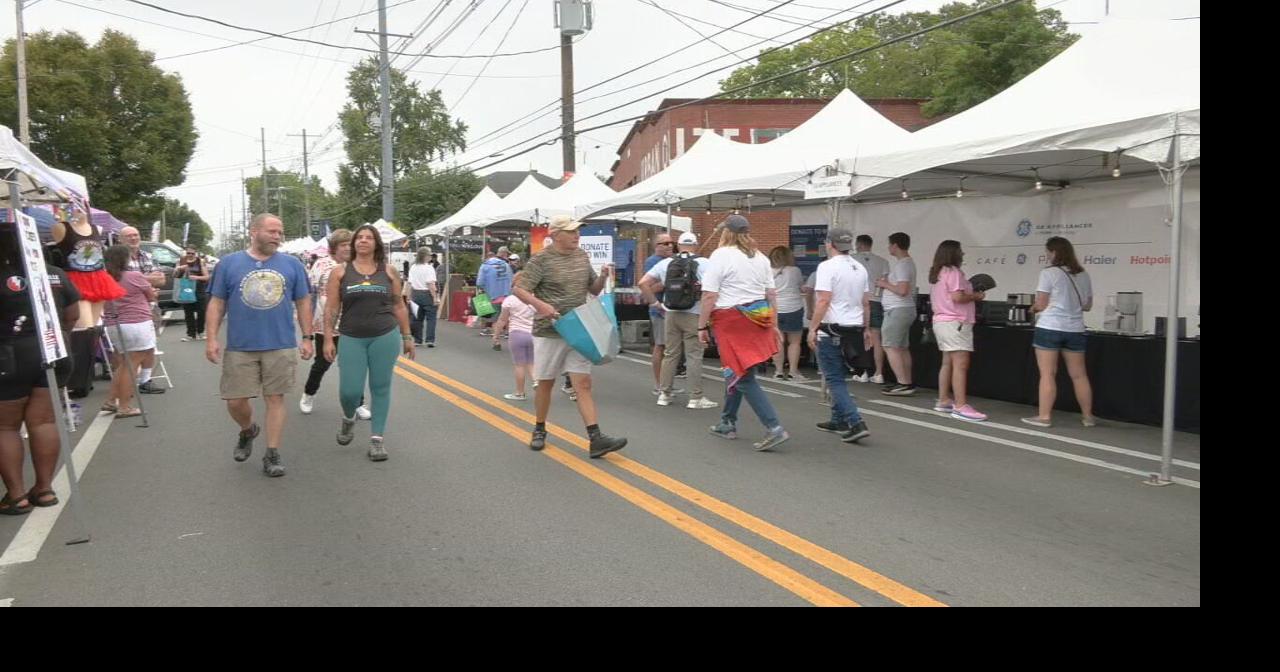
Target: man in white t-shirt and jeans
{"points": [[877, 269], [681, 322], [843, 303], [899, 299]]}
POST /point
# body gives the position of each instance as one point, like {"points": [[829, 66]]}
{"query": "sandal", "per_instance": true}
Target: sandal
{"points": [[37, 498], [128, 413], [108, 407], [9, 507]]}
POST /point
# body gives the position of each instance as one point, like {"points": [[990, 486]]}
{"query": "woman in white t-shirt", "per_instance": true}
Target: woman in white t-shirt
{"points": [[787, 280], [1063, 295]]}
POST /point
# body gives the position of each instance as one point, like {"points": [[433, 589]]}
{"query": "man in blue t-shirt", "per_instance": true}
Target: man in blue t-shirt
{"points": [[261, 293]]}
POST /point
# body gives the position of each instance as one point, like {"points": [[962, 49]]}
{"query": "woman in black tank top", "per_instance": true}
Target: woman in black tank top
{"points": [[368, 296]]}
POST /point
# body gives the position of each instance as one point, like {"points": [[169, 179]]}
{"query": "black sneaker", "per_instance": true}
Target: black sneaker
{"points": [[271, 464], [900, 391], [150, 387], [858, 433], [539, 439], [836, 427], [602, 445], [244, 445]]}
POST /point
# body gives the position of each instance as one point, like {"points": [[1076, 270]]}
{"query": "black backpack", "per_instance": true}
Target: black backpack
{"points": [[681, 289]]}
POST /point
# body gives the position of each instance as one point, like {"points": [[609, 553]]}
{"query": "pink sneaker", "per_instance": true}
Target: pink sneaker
{"points": [[968, 413]]}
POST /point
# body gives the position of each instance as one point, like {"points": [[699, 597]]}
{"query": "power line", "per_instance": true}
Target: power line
{"points": [[801, 70], [326, 44], [624, 73], [711, 72], [676, 16], [263, 39], [500, 43], [473, 43]]}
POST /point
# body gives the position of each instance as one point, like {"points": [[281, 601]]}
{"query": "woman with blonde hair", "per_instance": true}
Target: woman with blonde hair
{"points": [[740, 302], [787, 280]]}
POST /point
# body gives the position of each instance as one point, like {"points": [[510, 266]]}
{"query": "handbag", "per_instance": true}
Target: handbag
{"points": [[592, 330], [184, 290], [482, 305]]}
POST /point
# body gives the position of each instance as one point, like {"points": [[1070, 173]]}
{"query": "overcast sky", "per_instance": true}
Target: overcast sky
{"points": [[286, 86]]}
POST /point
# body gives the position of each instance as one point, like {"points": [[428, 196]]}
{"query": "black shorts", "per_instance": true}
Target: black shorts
{"points": [[22, 368]]}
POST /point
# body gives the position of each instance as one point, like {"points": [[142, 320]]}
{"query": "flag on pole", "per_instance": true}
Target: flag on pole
{"points": [[155, 232], [186, 231]]}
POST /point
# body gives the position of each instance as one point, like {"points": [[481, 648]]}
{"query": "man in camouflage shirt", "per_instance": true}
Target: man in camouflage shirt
{"points": [[554, 282]]}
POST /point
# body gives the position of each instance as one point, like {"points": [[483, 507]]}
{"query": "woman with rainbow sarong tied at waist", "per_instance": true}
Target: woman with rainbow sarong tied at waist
{"points": [[739, 301]]}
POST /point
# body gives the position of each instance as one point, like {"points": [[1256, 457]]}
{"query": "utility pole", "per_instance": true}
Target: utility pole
{"points": [[306, 182], [24, 115], [266, 200], [573, 17], [384, 112]]}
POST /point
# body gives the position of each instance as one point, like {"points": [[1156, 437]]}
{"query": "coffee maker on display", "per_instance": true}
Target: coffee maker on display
{"points": [[1020, 308], [1129, 312]]}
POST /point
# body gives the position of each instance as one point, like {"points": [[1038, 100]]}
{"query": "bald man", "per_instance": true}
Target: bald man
{"points": [[141, 262], [663, 248]]}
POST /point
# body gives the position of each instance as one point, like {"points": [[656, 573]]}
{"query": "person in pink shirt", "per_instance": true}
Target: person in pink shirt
{"points": [[132, 314], [952, 299], [517, 318]]}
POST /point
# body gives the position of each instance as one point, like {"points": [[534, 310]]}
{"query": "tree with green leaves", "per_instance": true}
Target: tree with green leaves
{"points": [[176, 215], [287, 195], [955, 67], [107, 112], [424, 197], [422, 131]]}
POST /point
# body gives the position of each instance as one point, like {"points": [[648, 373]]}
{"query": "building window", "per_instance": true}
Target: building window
{"points": [[759, 136]]}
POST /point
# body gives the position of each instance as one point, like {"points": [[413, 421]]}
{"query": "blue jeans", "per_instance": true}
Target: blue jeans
{"points": [[750, 388], [426, 313], [843, 408]]}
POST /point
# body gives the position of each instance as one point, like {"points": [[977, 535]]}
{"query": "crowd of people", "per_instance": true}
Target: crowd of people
{"points": [[354, 308]]}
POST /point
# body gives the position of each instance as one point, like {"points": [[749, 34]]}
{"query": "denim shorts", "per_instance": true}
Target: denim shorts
{"points": [[1048, 339], [791, 322]]}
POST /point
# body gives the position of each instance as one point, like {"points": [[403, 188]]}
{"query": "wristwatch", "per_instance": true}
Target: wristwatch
{"points": [[308, 337]]}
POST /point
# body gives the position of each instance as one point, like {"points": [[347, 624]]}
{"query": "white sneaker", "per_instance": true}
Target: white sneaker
{"points": [[363, 413], [799, 378], [307, 404], [878, 379], [701, 403], [665, 399], [864, 378]]}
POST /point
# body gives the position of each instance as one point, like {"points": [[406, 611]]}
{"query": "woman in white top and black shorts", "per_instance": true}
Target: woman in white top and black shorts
{"points": [[1063, 295], [787, 279]]}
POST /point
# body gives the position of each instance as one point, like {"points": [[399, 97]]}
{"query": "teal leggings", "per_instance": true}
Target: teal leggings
{"points": [[374, 358]]}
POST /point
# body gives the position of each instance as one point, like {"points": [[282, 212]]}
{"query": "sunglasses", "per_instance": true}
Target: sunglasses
{"points": [[668, 243]]}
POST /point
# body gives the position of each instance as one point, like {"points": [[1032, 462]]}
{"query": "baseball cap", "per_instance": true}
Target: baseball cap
{"points": [[840, 239], [563, 223], [687, 238], [737, 224]]}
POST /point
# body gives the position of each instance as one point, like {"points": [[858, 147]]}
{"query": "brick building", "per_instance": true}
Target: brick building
{"points": [[658, 139]]}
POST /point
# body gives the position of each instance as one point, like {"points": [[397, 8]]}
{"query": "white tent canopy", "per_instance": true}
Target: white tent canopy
{"points": [[37, 182], [522, 204], [647, 217], [389, 233], [728, 173], [1128, 87], [478, 204]]}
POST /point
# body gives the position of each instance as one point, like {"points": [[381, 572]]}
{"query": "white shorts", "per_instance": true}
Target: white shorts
{"points": [[137, 337], [954, 336], [552, 357]]}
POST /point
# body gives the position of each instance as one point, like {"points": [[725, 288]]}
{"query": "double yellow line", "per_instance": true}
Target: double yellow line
{"points": [[750, 558]]}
